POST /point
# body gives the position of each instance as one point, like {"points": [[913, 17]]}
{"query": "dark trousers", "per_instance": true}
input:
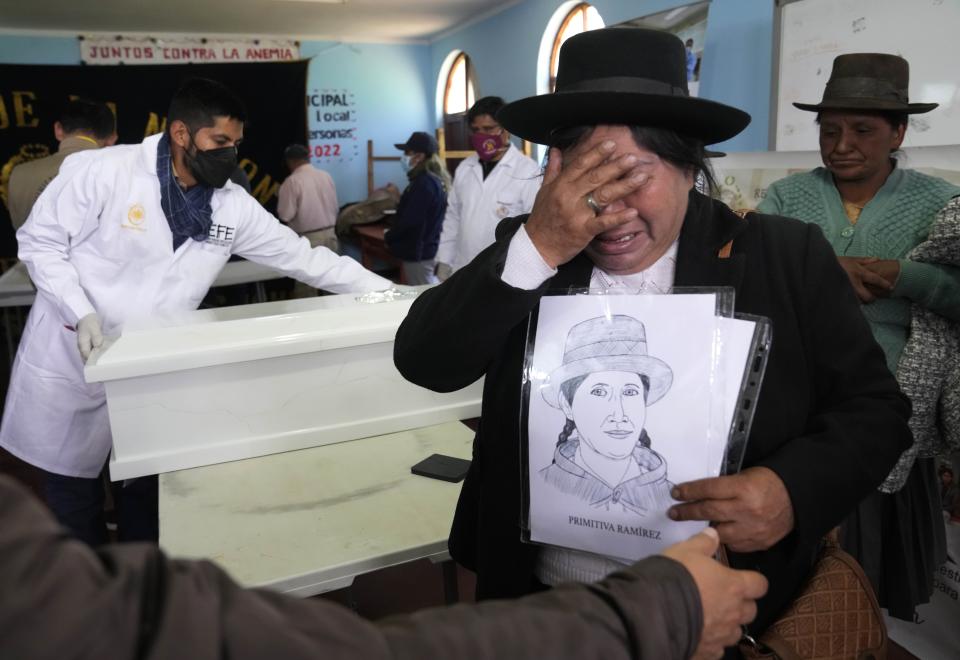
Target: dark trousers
{"points": [[78, 505]]}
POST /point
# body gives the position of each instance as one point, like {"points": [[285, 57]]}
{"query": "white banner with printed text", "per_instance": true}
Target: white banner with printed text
{"points": [[107, 49]]}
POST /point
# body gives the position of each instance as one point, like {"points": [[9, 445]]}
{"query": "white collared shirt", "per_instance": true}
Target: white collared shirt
{"points": [[525, 269]]}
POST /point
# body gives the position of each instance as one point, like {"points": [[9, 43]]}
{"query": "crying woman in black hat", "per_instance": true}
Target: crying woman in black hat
{"points": [[618, 209]]}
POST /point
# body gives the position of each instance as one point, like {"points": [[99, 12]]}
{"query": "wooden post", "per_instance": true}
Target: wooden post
{"points": [[371, 159], [442, 144], [369, 167]]}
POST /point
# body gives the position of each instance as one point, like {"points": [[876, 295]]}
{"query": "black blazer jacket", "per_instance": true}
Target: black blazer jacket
{"points": [[830, 420]]}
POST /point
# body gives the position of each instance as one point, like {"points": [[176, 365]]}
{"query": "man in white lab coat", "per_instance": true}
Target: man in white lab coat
{"points": [[495, 183], [131, 232]]}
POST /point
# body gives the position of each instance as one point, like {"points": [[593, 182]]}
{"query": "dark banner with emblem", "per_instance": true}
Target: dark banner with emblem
{"points": [[31, 98]]}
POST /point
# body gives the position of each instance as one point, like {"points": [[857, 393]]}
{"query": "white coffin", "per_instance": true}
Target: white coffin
{"points": [[233, 383]]}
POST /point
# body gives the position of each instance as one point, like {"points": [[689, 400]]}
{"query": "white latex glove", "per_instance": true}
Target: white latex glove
{"points": [[443, 271], [89, 335]]}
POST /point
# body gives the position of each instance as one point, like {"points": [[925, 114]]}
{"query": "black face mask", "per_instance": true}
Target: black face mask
{"points": [[211, 167]]}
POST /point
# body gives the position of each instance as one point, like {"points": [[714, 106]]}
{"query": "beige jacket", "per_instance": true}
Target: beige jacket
{"points": [[63, 600], [28, 180]]}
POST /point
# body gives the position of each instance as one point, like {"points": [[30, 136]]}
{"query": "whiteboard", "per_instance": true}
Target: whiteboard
{"points": [[925, 32]]}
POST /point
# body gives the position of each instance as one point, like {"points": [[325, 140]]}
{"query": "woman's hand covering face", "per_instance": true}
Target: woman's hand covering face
{"points": [[561, 224]]}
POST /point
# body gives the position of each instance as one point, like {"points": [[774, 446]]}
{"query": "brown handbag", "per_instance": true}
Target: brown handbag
{"points": [[834, 617]]}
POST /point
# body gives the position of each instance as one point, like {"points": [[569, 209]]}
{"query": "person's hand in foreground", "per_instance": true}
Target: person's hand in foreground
{"points": [[751, 509], [728, 597]]}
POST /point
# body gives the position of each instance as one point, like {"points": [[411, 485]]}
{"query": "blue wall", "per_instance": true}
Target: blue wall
{"points": [[392, 92], [737, 56], [16, 49]]}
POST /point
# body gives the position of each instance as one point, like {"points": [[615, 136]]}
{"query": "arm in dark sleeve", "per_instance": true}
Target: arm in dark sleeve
{"points": [[454, 330], [651, 610], [62, 599], [859, 426], [417, 204]]}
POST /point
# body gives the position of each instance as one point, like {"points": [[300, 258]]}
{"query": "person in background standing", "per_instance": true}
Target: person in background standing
{"points": [[893, 231], [82, 125], [497, 182], [307, 200], [949, 495], [415, 233], [691, 61]]}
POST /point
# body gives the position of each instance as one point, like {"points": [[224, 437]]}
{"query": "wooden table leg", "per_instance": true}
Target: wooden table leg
{"points": [[451, 590]]}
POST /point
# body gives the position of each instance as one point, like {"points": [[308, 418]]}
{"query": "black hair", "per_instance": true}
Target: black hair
{"points": [[894, 118], [681, 151], [569, 387], [488, 105], [296, 152], [200, 100], [90, 117]]}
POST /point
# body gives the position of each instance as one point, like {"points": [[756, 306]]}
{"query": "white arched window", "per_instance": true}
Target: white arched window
{"points": [[569, 19], [582, 18], [456, 93], [460, 93]]}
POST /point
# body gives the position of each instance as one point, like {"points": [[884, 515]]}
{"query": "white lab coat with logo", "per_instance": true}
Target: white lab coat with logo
{"points": [[97, 241], [477, 205]]}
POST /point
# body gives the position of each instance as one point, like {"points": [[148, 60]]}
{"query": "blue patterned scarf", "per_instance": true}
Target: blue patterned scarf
{"points": [[188, 211]]}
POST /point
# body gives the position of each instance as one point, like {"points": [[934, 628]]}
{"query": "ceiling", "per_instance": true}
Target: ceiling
{"points": [[339, 20]]}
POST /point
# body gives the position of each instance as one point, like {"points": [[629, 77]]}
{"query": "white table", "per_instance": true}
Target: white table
{"points": [[309, 521]]}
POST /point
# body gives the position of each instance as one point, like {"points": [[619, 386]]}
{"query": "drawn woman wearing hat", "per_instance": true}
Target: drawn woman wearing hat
{"points": [[894, 231], [604, 386], [618, 208]]}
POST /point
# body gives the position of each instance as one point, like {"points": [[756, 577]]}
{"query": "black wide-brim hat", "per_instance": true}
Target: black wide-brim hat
{"points": [[868, 81], [622, 75]]}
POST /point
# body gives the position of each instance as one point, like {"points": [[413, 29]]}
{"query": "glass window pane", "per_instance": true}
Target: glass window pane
{"points": [[457, 92], [594, 22], [582, 17]]}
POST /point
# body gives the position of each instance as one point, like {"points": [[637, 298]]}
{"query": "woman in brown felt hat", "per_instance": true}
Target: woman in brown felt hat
{"points": [[618, 208], [895, 232]]}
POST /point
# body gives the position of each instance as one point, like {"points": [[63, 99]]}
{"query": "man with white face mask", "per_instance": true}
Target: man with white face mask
{"points": [[498, 182], [131, 232]]}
